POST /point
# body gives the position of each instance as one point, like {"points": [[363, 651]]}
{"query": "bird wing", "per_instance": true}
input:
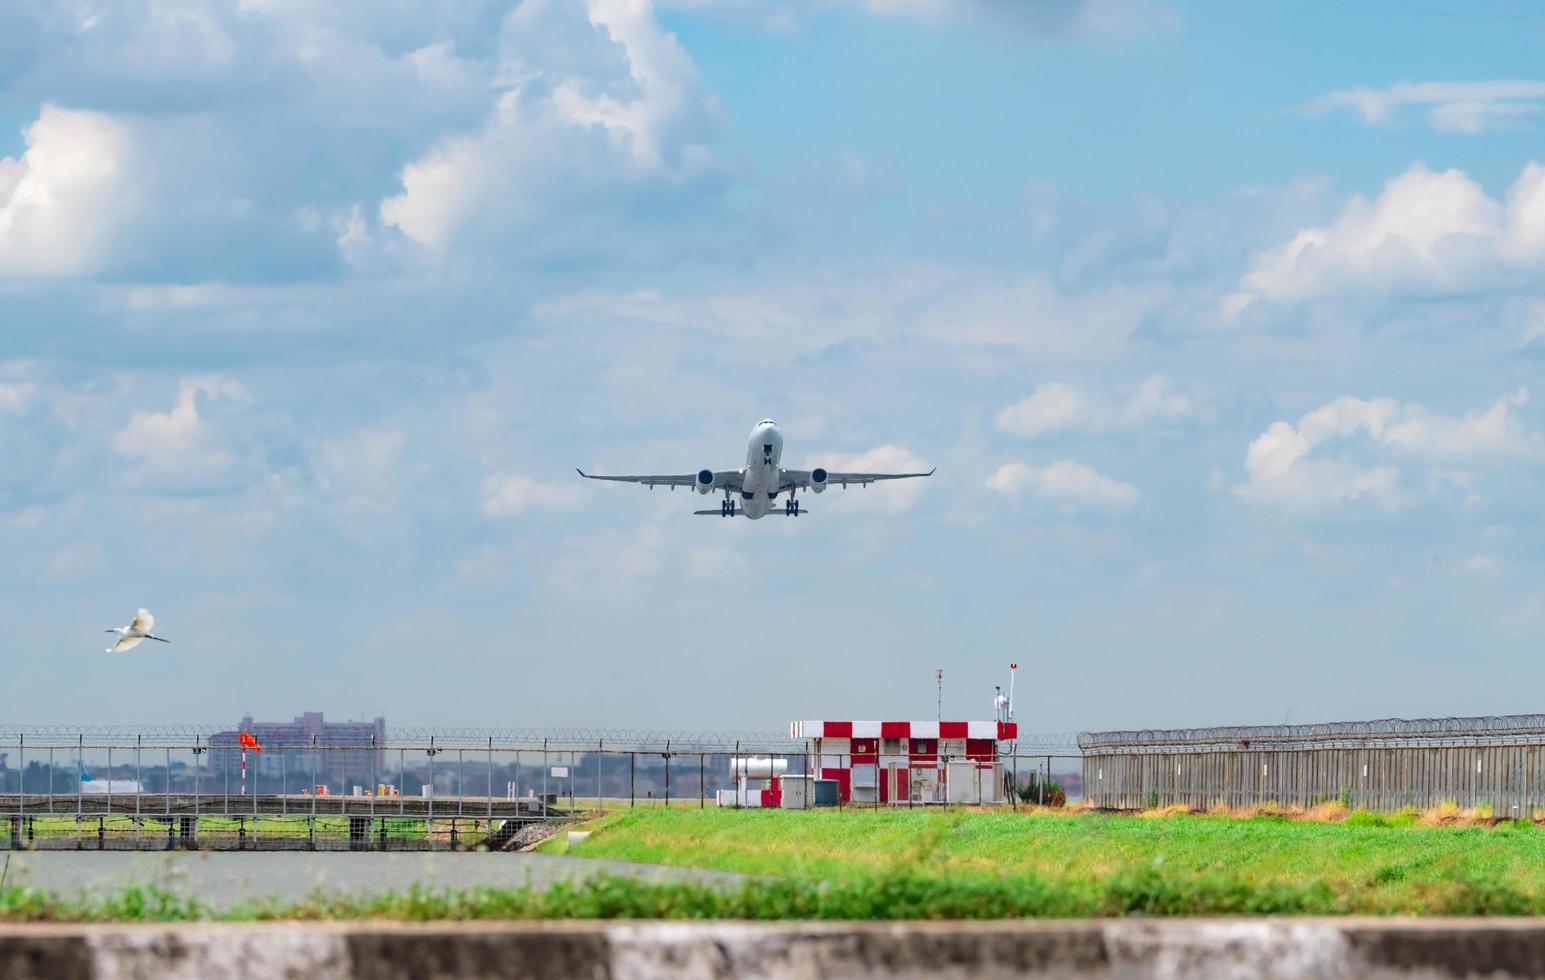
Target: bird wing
{"points": [[125, 643], [143, 622]]}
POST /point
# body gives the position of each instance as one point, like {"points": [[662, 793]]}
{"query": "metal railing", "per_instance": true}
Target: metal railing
{"points": [[451, 789]]}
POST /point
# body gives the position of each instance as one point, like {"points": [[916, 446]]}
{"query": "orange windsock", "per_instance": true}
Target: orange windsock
{"points": [[248, 741]]}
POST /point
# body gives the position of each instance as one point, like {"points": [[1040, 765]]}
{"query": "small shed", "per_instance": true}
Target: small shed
{"points": [[902, 762]]}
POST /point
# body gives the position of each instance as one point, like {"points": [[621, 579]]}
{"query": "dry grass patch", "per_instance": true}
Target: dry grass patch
{"points": [[1330, 811], [1450, 814]]}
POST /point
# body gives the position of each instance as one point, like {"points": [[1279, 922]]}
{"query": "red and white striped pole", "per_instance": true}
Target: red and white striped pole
{"points": [[243, 770]]}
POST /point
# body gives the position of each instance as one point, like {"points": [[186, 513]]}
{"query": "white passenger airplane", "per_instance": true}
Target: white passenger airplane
{"points": [[762, 480]]}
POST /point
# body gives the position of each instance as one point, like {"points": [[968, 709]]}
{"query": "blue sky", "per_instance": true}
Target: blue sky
{"points": [[1223, 323]]}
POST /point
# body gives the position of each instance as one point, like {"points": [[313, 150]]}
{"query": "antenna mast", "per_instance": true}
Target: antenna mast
{"points": [[938, 675]]}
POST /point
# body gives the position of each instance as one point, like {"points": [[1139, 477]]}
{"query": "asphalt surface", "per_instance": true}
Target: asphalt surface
{"points": [[222, 879]]}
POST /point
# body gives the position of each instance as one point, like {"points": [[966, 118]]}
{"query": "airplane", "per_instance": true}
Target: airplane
{"points": [[761, 481], [91, 786]]}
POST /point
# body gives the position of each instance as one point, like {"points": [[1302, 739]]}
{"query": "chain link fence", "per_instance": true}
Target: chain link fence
{"points": [[123, 787]]}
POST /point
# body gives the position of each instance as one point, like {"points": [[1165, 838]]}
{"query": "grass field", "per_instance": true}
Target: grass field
{"points": [[1193, 863], [958, 864]]}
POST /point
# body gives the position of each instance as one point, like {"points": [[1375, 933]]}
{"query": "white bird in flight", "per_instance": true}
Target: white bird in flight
{"points": [[135, 633]]}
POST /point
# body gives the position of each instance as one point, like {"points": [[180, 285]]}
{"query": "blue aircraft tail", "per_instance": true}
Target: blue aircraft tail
{"points": [[85, 776]]}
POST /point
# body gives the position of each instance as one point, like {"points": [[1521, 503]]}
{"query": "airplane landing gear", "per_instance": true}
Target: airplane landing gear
{"points": [[727, 508], [791, 507]]}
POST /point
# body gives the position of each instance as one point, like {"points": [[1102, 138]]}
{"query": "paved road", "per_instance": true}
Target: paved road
{"points": [[222, 879]]}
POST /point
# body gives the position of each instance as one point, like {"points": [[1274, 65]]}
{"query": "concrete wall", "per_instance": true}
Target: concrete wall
{"points": [[1382, 948]]}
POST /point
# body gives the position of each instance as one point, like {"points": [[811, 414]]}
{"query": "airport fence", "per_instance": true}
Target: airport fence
{"points": [[1495, 761], [179, 787]]}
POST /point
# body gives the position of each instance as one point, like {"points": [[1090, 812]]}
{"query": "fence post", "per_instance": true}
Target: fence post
{"points": [[667, 774], [600, 746], [139, 784], [632, 765], [198, 789]]}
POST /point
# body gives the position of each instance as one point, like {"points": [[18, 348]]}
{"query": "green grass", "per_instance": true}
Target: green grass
{"points": [[938, 864], [1375, 865]]}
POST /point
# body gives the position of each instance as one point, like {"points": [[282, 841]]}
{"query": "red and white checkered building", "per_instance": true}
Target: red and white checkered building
{"points": [[902, 761]]}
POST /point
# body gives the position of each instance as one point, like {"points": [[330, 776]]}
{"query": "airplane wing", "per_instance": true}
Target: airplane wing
{"points": [[800, 479], [722, 480]]}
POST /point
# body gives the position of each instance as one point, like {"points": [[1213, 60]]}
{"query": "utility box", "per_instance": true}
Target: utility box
{"points": [[797, 792], [974, 783]]}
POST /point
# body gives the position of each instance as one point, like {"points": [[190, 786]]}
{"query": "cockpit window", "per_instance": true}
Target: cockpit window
{"points": [[767, 422]]}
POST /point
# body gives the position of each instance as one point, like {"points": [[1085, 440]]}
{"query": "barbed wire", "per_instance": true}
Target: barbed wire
{"points": [[418, 737], [1488, 728]]}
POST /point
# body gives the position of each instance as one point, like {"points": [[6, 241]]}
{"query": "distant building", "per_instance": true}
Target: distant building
{"points": [[902, 762], [338, 753]]}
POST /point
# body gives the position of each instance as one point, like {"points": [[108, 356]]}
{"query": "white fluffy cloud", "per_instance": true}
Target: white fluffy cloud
{"points": [[65, 197], [1281, 468], [1454, 107], [1057, 407], [891, 496], [179, 443], [1069, 485], [252, 141], [511, 494], [595, 98], [1427, 232]]}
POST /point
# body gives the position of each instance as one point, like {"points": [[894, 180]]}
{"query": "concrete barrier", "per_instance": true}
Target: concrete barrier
{"points": [[1171, 948]]}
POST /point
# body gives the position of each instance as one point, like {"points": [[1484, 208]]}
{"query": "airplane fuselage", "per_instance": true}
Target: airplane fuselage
{"points": [[752, 490], [764, 473]]}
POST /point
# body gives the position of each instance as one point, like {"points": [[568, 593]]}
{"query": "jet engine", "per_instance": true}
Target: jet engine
{"points": [[704, 481], [817, 480]]}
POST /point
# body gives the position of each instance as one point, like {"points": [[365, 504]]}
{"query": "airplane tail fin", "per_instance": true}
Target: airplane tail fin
{"points": [[85, 776]]}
